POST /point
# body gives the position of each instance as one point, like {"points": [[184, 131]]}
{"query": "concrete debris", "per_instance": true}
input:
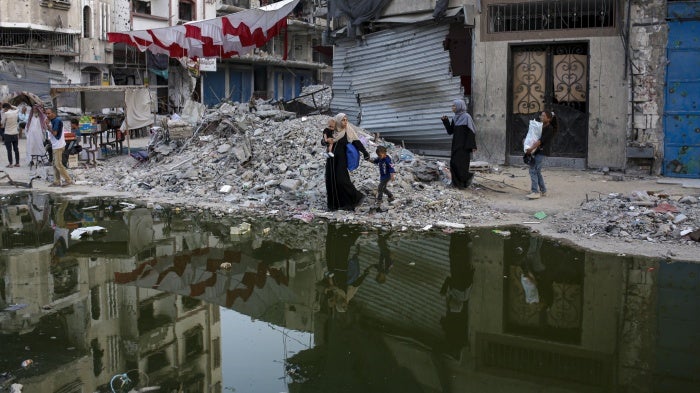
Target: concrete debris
{"points": [[273, 163], [317, 96], [637, 216]]}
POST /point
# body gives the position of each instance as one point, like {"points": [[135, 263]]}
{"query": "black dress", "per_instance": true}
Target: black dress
{"points": [[341, 193], [463, 142]]}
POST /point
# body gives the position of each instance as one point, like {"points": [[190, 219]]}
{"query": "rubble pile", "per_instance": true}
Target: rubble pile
{"points": [[266, 163], [269, 164], [646, 216], [317, 96]]}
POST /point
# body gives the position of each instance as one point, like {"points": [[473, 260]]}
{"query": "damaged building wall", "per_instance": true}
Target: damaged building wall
{"points": [[608, 97], [39, 14], [601, 144], [648, 35]]}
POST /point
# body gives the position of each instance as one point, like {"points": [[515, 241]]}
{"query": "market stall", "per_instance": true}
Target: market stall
{"points": [[110, 115]]}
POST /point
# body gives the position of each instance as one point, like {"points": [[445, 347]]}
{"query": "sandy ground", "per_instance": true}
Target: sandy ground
{"points": [[504, 191]]}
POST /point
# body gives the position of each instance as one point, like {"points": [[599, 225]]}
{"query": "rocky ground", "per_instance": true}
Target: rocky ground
{"points": [[270, 163]]}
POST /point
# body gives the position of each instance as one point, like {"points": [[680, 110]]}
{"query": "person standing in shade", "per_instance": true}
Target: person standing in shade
{"points": [[58, 144], [463, 134], [10, 122], [539, 150]]}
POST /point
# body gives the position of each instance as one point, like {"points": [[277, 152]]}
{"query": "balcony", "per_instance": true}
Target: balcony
{"points": [[37, 42]]}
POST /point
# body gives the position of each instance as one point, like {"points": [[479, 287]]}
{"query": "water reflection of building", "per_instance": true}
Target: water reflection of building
{"points": [[593, 329], [81, 328]]}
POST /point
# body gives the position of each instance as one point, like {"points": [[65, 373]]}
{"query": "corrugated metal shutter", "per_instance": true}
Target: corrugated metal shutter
{"points": [[403, 82], [344, 99], [410, 296]]}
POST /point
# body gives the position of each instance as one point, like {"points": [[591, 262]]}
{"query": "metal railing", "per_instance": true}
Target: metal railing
{"points": [[551, 15], [36, 41]]}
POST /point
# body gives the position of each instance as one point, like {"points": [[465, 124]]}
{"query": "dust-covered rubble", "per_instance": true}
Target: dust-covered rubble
{"points": [[639, 215], [241, 161], [270, 163]]}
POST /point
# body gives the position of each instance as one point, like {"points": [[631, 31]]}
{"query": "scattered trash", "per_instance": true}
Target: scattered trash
{"points": [[27, 363], [225, 266], [427, 227], [241, 229], [665, 207], [16, 388], [540, 215], [127, 205], [411, 264], [306, 217], [87, 231], [502, 233], [225, 189], [447, 224]]}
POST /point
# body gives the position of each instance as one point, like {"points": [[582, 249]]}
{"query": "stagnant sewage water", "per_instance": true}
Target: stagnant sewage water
{"points": [[167, 300]]}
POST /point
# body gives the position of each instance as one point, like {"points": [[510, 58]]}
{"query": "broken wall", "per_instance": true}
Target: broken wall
{"points": [[648, 35], [38, 15]]}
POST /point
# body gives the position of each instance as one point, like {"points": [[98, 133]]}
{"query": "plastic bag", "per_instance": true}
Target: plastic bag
{"points": [[531, 293], [534, 133], [353, 157]]}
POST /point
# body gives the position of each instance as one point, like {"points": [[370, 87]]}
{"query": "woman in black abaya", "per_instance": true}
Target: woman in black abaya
{"points": [[341, 193], [463, 134]]}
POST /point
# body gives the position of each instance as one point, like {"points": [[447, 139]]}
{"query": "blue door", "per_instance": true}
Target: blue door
{"points": [[235, 78], [682, 109], [677, 352], [214, 85]]}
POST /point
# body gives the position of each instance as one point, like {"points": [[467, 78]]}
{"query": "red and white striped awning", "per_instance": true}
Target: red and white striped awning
{"points": [[227, 36]]}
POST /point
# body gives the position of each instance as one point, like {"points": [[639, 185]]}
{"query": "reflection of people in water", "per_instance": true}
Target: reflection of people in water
{"points": [[344, 274], [61, 232], [456, 289], [547, 265], [384, 263]]}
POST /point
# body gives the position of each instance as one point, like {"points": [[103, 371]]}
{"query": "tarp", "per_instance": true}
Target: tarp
{"points": [[138, 109], [223, 37], [357, 11]]}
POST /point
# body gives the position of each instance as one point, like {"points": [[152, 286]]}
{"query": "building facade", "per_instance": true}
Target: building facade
{"points": [[53, 42], [606, 68]]}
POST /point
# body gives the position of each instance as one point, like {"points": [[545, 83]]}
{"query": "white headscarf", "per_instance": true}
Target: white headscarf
{"points": [[350, 130]]}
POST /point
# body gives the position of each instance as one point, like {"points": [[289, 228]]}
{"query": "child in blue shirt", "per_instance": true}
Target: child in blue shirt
{"points": [[386, 173]]}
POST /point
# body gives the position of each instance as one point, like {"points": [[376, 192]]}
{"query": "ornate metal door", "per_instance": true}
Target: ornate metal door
{"points": [[550, 77]]}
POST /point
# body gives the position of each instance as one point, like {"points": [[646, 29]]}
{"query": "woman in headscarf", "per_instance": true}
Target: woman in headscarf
{"points": [[36, 134], [463, 134], [341, 193]]}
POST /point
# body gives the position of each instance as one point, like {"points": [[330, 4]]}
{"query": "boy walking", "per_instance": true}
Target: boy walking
{"points": [[386, 173]]}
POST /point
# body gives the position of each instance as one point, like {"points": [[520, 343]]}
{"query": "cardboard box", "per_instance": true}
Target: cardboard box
{"points": [[73, 161]]}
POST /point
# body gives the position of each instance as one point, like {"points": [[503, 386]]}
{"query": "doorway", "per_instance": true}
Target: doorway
{"points": [[550, 77]]}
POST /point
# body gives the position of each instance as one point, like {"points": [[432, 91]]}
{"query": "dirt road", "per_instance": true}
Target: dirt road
{"points": [[500, 191]]}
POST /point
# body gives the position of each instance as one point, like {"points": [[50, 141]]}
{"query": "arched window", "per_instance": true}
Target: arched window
{"points": [[87, 26]]}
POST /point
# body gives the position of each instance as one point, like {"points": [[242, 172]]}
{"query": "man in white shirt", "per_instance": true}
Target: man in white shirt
{"points": [[11, 137], [58, 144]]}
